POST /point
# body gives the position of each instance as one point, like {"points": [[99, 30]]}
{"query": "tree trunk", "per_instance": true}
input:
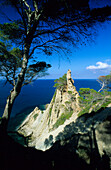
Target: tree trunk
{"points": [[14, 92], [103, 85], [8, 109]]}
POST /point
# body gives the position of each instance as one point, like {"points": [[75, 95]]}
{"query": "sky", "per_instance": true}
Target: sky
{"points": [[85, 62]]}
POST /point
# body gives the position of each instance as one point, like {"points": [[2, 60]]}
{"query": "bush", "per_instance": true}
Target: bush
{"points": [[89, 99], [61, 82], [70, 92], [67, 102], [95, 107], [105, 104], [62, 119], [86, 110], [35, 116], [54, 96], [50, 112]]}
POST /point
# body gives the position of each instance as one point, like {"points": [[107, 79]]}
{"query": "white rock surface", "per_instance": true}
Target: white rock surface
{"points": [[41, 126]]}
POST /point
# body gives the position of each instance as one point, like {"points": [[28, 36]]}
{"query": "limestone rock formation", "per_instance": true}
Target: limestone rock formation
{"points": [[62, 110], [88, 136]]}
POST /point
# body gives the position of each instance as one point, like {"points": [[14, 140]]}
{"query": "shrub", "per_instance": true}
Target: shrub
{"points": [[62, 119], [94, 107], [67, 102], [70, 92], [89, 99], [61, 82], [50, 110], [86, 110], [105, 104], [35, 116], [54, 96]]}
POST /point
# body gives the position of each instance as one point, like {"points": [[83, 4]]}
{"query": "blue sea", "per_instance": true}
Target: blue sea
{"points": [[38, 94]]}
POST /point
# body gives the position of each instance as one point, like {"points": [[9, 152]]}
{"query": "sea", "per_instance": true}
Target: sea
{"points": [[39, 93]]}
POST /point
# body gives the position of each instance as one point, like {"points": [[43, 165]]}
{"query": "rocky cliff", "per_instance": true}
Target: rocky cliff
{"points": [[62, 110], [89, 135]]}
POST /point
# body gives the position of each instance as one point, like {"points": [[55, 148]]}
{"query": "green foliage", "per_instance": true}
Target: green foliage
{"points": [[61, 82], [86, 110], [36, 29], [89, 94], [104, 81], [95, 109], [42, 111], [35, 116], [54, 96], [68, 102], [10, 62], [70, 92], [109, 93], [62, 119], [50, 110], [91, 99], [11, 59], [86, 91], [105, 104], [106, 78], [13, 31]]}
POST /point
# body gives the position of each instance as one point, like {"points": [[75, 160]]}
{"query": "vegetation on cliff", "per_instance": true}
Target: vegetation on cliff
{"points": [[64, 116], [61, 82], [105, 82], [63, 103], [91, 100], [35, 116]]}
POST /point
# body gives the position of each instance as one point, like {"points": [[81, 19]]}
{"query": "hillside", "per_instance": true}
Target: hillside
{"points": [[81, 125]]}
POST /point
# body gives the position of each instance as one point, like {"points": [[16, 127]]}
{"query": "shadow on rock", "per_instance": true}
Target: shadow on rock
{"points": [[14, 156]]}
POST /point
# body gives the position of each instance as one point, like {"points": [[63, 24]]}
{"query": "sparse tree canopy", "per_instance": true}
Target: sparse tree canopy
{"points": [[91, 100], [11, 62], [61, 82], [47, 26], [104, 81]]}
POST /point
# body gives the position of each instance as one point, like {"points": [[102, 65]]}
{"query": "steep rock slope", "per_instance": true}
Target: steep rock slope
{"points": [[88, 135], [63, 109]]}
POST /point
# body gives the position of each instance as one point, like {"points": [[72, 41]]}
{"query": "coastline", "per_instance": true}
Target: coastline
{"points": [[16, 120]]}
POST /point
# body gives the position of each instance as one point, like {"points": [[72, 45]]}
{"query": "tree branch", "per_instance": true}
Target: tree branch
{"points": [[9, 80], [26, 4], [35, 6], [49, 41], [22, 16]]}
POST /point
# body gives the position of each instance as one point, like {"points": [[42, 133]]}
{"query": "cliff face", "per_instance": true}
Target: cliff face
{"points": [[62, 110], [64, 101], [88, 136]]}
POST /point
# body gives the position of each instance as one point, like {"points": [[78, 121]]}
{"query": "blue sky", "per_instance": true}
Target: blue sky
{"points": [[87, 62]]}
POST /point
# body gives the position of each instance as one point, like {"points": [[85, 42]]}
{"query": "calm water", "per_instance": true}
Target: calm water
{"points": [[38, 93]]}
